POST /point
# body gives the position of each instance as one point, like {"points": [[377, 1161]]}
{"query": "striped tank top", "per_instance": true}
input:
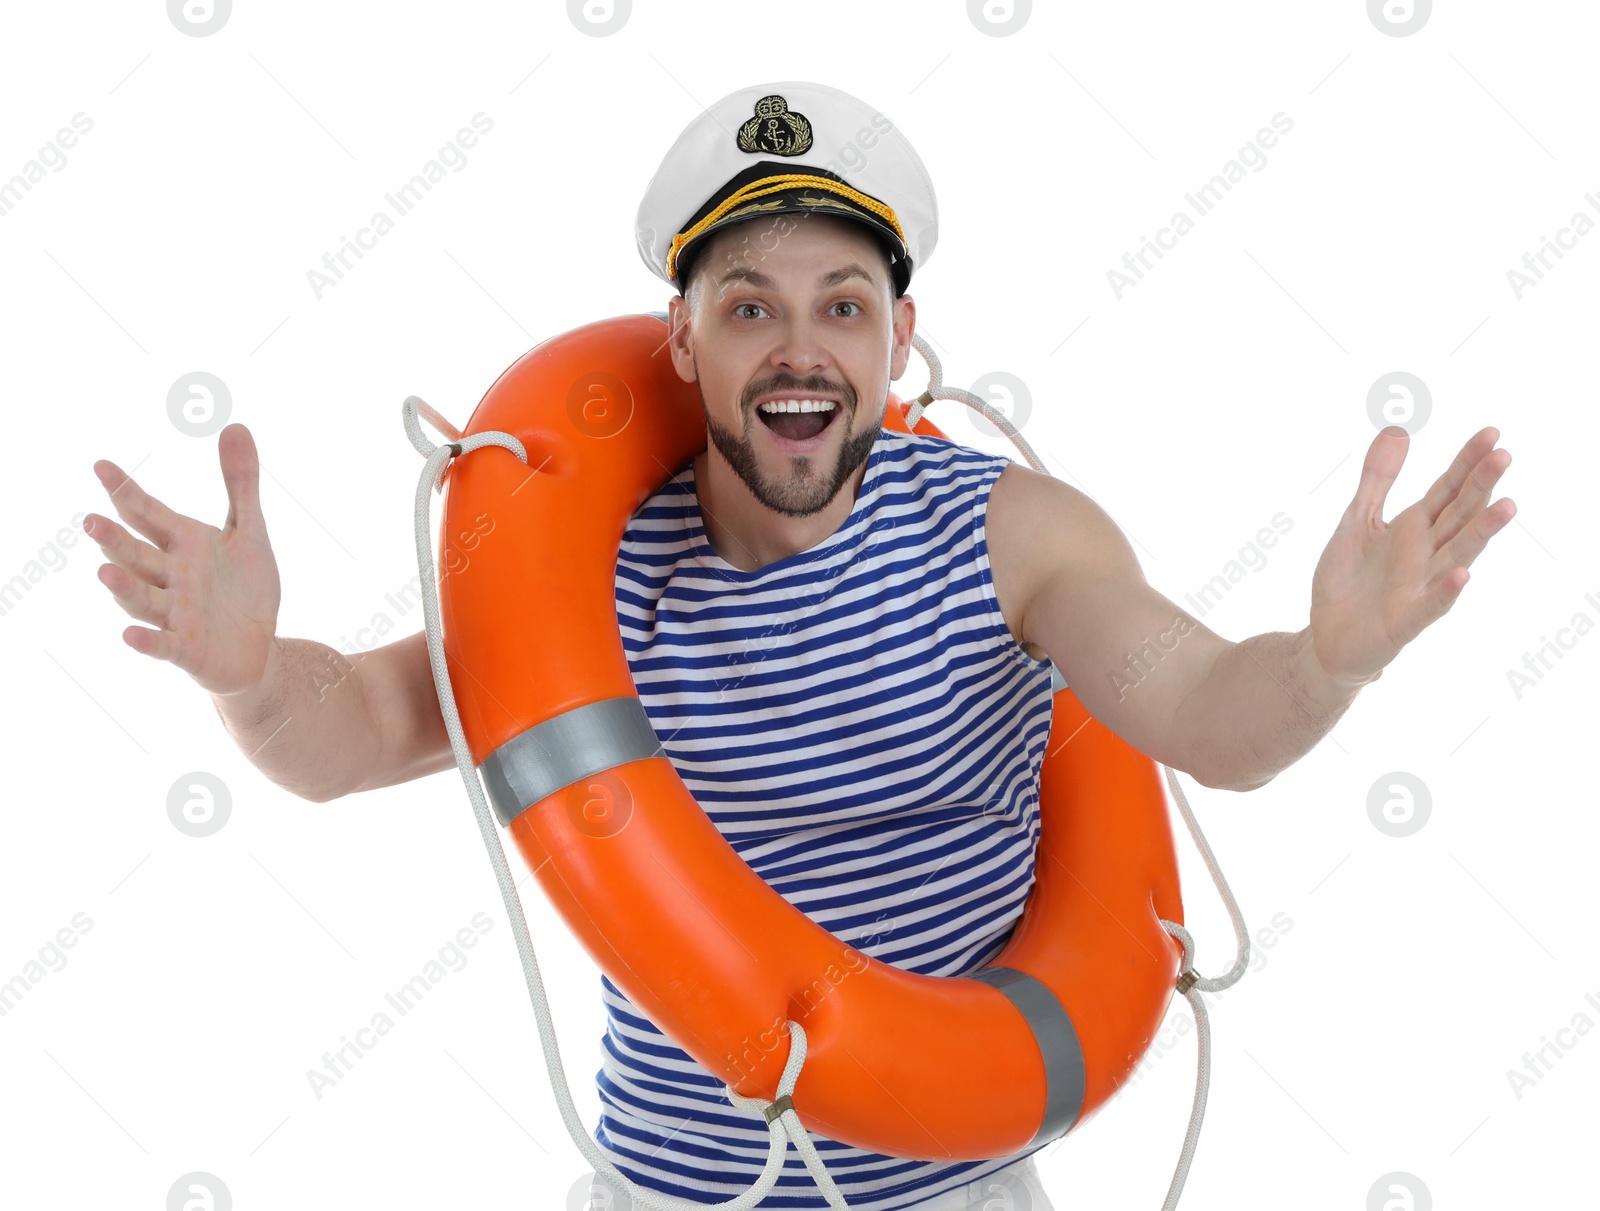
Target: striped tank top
{"points": [[859, 723]]}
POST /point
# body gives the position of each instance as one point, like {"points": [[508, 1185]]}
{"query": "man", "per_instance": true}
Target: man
{"points": [[844, 636]]}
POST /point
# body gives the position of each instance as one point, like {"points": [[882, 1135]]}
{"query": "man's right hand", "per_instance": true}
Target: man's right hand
{"points": [[212, 593]]}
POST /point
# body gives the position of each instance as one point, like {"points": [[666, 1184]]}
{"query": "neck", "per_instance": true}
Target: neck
{"points": [[747, 534]]}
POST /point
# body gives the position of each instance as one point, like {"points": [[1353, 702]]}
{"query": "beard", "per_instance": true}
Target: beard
{"points": [[805, 488]]}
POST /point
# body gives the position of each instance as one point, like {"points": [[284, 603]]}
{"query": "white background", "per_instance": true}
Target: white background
{"points": [[1227, 386]]}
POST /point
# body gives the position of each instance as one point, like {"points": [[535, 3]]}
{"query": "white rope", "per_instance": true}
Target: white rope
{"points": [[937, 390], [785, 1127], [1193, 984], [1190, 982]]}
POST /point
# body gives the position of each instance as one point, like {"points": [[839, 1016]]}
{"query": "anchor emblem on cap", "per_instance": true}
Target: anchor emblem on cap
{"points": [[776, 129]]}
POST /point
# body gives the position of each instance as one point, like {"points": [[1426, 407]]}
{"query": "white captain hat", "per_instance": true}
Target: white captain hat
{"points": [[791, 148]]}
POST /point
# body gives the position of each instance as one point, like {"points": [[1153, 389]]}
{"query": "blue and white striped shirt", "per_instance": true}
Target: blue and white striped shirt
{"points": [[859, 723]]}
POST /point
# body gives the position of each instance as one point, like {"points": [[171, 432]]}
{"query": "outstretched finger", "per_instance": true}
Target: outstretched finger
{"points": [[1472, 496], [160, 644], [1466, 546], [1448, 485], [135, 506], [142, 601], [1439, 600], [241, 474], [126, 551]]}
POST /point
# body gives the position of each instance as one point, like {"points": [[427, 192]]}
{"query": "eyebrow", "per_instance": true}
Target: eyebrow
{"points": [[832, 278]]}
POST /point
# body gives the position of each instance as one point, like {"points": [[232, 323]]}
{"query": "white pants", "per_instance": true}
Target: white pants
{"points": [[1015, 1188]]}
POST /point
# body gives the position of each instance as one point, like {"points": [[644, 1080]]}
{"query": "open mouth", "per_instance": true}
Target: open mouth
{"points": [[802, 424]]}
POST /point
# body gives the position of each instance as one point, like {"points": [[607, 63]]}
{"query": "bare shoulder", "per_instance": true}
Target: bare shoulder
{"points": [[1070, 583], [1040, 529], [1031, 516]]}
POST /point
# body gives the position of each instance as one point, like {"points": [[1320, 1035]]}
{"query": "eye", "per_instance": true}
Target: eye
{"points": [[738, 310], [844, 303]]}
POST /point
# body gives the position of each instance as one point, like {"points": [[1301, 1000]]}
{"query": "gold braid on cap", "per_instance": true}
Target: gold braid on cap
{"points": [[766, 185]]}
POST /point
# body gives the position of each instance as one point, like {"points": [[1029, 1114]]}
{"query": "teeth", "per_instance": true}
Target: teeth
{"points": [[798, 405]]}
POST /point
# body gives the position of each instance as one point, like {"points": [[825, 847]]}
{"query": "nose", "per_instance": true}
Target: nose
{"points": [[799, 348]]}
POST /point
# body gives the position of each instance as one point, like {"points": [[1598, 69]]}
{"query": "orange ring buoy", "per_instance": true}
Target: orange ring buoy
{"points": [[923, 1067]]}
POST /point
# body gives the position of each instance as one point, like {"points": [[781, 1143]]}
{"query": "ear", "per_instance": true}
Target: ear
{"points": [[680, 338], [905, 323]]}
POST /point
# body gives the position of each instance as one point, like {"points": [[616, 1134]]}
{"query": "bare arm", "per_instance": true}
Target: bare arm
{"points": [[323, 725], [1129, 654], [1265, 704], [1234, 715], [316, 722], [1231, 715]]}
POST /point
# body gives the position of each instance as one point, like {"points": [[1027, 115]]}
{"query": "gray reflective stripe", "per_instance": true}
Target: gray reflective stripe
{"points": [[1058, 1044], [559, 751], [1057, 681]]}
